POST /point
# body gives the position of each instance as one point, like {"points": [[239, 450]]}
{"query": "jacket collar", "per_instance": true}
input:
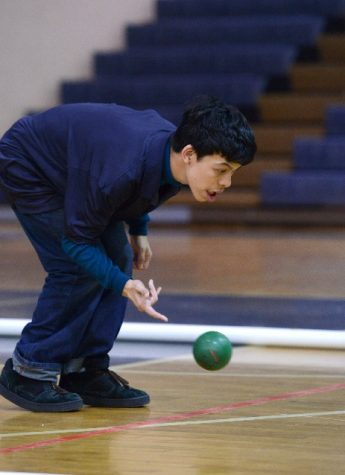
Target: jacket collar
{"points": [[154, 170]]}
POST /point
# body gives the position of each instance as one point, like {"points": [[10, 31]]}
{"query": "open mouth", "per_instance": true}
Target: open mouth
{"points": [[211, 195]]}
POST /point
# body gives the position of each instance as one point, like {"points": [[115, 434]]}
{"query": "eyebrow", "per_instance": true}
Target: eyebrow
{"points": [[232, 166]]}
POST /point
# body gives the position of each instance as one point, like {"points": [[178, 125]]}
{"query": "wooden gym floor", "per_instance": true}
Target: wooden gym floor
{"points": [[271, 411]]}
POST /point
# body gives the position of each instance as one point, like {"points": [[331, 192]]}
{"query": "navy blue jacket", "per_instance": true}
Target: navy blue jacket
{"points": [[100, 162]]}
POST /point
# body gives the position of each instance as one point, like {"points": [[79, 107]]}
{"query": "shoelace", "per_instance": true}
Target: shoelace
{"points": [[58, 389], [119, 379]]}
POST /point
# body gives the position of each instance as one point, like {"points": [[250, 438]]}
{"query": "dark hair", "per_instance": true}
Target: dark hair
{"points": [[213, 127]]}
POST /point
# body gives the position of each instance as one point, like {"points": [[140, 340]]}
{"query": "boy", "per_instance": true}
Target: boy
{"points": [[75, 175]]}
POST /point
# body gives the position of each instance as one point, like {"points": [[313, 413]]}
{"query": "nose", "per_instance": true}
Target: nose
{"points": [[225, 180]]}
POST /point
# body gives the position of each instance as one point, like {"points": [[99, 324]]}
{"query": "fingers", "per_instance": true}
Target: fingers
{"points": [[152, 300], [154, 314], [154, 293], [144, 298]]}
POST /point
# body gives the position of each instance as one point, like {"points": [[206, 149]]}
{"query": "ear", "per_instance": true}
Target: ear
{"points": [[188, 154]]}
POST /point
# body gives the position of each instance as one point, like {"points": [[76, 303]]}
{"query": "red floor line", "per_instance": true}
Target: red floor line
{"points": [[175, 417]]}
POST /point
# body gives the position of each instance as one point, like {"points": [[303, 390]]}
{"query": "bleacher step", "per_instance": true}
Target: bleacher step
{"points": [[297, 107], [278, 139], [332, 47], [242, 208], [250, 176], [232, 198], [321, 77]]}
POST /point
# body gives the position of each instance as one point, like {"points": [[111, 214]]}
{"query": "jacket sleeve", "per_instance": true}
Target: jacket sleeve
{"points": [[138, 226], [97, 264]]}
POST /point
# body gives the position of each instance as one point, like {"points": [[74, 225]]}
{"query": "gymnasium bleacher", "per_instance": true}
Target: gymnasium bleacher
{"points": [[335, 120], [208, 8], [282, 62]]}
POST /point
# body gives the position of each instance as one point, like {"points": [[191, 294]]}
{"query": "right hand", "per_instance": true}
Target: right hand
{"points": [[143, 298]]}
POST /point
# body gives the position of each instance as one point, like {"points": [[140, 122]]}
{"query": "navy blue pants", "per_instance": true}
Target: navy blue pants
{"points": [[75, 319]]}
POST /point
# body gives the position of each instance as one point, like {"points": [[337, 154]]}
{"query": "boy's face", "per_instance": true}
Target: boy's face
{"points": [[209, 176]]}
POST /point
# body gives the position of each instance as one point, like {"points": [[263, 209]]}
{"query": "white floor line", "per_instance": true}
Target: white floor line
{"points": [[27, 473], [151, 362], [183, 423], [248, 419]]}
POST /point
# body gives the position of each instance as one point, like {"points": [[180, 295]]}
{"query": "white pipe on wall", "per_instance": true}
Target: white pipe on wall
{"points": [[175, 333]]}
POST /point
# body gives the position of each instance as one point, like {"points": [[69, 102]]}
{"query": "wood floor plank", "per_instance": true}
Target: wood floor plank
{"points": [[249, 417]]}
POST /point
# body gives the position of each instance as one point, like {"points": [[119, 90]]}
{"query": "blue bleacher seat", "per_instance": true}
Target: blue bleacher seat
{"points": [[335, 120], [319, 153], [269, 59], [210, 8], [240, 89], [301, 30], [303, 188]]}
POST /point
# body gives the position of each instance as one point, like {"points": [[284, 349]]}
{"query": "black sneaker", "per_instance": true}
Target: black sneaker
{"points": [[35, 395], [104, 388]]}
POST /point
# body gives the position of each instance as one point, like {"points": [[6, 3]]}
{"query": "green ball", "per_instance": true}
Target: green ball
{"points": [[212, 350]]}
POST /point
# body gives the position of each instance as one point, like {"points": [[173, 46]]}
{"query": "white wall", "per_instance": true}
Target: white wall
{"points": [[45, 41]]}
